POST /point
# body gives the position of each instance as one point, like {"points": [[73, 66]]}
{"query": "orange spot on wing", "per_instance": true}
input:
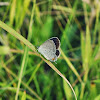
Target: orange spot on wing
{"points": [[53, 59]]}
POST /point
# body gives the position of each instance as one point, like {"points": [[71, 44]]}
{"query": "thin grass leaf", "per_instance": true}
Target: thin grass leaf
{"points": [[12, 11], [17, 35], [34, 72], [25, 56], [71, 66], [23, 96], [83, 46], [86, 58], [96, 24], [97, 97], [88, 46], [16, 77], [96, 81], [67, 90], [21, 10]]}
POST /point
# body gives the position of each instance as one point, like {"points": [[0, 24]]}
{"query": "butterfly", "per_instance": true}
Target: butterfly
{"points": [[50, 49]]}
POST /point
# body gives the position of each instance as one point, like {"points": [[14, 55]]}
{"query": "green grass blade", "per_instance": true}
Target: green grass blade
{"points": [[16, 77], [25, 56], [17, 35], [71, 66], [12, 12], [67, 90]]}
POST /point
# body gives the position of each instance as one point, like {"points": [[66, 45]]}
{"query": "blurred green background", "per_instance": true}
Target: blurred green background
{"points": [[76, 23]]}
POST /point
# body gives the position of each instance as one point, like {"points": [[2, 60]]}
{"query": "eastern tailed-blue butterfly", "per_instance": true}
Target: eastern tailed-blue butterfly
{"points": [[50, 49]]}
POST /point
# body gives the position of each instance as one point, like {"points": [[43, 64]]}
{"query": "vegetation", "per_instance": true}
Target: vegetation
{"points": [[26, 74]]}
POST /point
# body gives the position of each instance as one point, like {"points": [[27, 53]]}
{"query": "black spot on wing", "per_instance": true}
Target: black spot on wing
{"points": [[57, 53], [56, 41]]}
